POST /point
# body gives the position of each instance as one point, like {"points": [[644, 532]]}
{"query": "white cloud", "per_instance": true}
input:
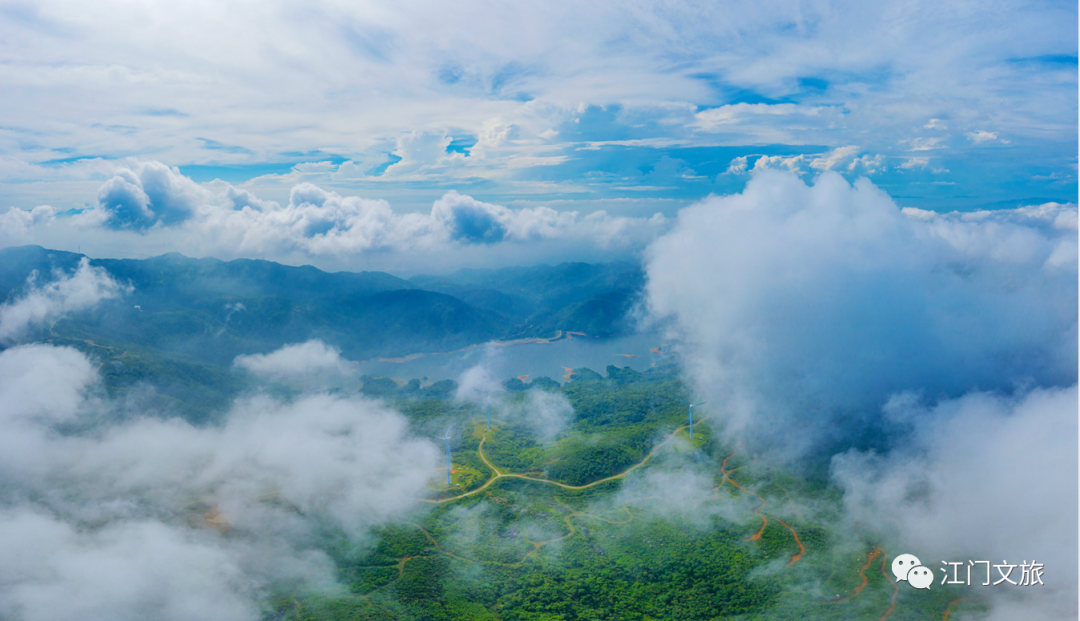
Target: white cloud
{"points": [[301, 360], [177, 214], [813, 317], [801, 308], [147, 195], [478, 383], [139, 569], [737, 166], [712, 119], [840, 158], [470, 220], [835, 158], [925, 144], [16, 224], [422, 153], [406, 90], [49, 301], [29, 394], [975, 483], [915, 162], [762, 123], [547, 413], [1023, 235], [869, 165], [530, 161], [126, 521], [982, 136], [779, 162], [847, 158]]}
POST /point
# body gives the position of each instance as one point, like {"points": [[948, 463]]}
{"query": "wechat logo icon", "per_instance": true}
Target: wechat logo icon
{"points": [[908, 568]]}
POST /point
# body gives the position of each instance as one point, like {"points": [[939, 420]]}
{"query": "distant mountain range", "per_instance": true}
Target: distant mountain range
{"points": [[210, 311]]}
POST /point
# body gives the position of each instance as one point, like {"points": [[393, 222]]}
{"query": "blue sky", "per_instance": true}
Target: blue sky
{"points": [[634, 109]]}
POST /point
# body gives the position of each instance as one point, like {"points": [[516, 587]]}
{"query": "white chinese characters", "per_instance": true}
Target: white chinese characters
{"points": [[1031, 573]]}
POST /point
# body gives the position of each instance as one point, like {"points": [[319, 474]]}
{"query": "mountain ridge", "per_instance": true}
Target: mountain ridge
{"points": [[207, 310]]}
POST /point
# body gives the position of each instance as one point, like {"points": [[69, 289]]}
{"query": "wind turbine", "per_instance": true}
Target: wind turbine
{"points": [[447, 439], [692, 405], [489, 416]]}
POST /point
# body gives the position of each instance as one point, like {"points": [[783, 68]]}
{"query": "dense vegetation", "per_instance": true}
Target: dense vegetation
{"points": [[209, 311], [561, 533], [185, 320], [526, 549]]}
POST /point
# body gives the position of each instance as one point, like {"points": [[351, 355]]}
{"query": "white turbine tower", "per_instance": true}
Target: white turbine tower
{"points": [[692, 406]]}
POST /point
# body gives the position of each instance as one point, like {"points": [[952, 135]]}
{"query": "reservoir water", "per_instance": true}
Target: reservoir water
{"points": [[534, 359]]}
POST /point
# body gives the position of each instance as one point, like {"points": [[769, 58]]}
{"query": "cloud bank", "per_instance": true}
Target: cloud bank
{"points": [[156, 518], [149, 207], [804, 307]]}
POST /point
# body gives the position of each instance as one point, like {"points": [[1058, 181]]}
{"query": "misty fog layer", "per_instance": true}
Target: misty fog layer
{"points": [[543, 413], [155, 518]]}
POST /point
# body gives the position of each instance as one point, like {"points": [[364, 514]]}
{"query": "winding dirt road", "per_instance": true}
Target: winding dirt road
{"points": [[896, 588], [862, 574], [509, 475]]}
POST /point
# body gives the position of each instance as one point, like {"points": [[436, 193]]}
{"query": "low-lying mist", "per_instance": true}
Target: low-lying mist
{"points": [[156, 518], [545, 414]]}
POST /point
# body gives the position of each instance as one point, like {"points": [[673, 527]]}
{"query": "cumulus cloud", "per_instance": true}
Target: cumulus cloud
{"points": [[156, 518], [47, 302], [868, 164], [737, 166], [470, 220], [791, 163], [932, 494], [310, 358], [802, 308], [146, 195], [151, 205], [840, 158], [834, 158], [422, 153], [814, 317], [15, 224]]}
